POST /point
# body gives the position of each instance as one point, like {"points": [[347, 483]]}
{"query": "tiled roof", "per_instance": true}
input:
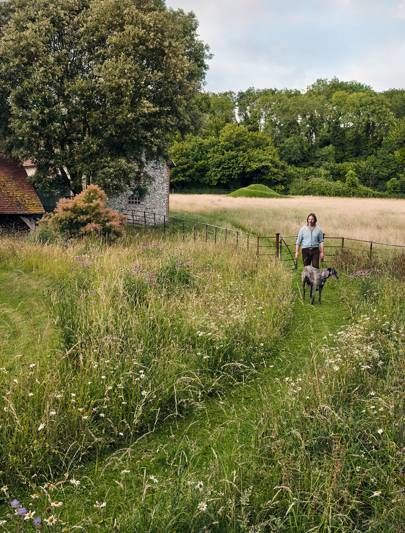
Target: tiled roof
{"points": [[17, 195]]}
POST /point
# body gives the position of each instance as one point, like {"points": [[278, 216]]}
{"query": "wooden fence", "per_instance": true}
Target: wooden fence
{"points": [[277, 245]]}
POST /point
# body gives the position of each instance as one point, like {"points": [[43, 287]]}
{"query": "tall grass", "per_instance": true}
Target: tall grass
{"points": [[380, 220], [146, 332]]}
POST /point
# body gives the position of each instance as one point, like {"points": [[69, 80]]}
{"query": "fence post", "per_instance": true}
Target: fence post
{"points": [[237, 239], [278, 245], [343, 242], [144, 218], [215, 234], [371, 249], [226, 234], [183, 227], [194, 234], [206, 232], [257, 246], [247, 241]]}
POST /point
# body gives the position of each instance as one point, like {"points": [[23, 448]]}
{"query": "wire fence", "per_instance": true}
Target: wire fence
{"points": [[278, 246]]}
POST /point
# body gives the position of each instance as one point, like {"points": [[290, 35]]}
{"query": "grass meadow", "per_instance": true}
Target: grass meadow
{"points": [[161, 384], [380, 220]]}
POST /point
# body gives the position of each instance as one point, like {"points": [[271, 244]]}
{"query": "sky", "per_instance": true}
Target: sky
{"points": [[292, 43]]}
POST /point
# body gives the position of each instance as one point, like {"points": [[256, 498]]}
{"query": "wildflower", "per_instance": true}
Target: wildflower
{"points": [[15, 503], [380, 431], [52, 413], [41, 426], [3, 523], [202, 506], [376, 493], [35, 496], [100, 505], [37, 521], [74, 482], [51, 521], [21, 511], [4, 489], [33, 365], [153, 479], [29, 515], [56, 504]]}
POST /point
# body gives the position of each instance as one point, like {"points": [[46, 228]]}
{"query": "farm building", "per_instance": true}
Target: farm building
{"points": [[20, 206], [150, 205], [145, 202]]}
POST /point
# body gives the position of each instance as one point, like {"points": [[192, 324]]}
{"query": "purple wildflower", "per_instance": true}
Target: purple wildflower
{"points": [[15, 504], [21, 511], [37, 521]]}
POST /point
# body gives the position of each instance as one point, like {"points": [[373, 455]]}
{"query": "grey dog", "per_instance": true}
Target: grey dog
{"points": [[316, 279]]}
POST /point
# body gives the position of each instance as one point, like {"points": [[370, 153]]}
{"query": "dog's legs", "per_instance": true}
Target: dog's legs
{"points": [[311, 294], [320, 292], [303, 289]]}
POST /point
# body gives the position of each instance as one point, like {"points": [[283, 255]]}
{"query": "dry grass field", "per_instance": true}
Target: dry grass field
{"points": [[380, 220]]}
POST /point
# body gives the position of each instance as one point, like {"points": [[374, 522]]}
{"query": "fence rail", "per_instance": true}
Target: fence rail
{"points": [[277, 245]]}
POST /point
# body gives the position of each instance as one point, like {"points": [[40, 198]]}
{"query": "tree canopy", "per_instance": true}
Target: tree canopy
{"points": [[90, 88], [324, 132]]}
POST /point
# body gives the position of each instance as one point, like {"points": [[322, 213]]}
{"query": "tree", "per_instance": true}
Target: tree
{"points": [[192, 160], [242, 157], [91, 88]]}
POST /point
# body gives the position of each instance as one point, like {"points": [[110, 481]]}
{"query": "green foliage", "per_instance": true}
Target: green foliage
{"points": [[255, 191], [393, 186], [352, 181], [317, 182], [335, 125], [80, 78], [84, 215], [237, 157]]}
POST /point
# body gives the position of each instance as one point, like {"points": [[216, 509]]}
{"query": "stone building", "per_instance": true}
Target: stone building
{"points": [[20, 206], [150, 205]]}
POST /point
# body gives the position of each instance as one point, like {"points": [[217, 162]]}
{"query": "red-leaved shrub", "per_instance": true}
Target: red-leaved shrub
{"points": [[86, 214]]}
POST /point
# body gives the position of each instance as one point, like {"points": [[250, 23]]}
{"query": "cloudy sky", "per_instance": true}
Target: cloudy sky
{"points": [[291, 43]]}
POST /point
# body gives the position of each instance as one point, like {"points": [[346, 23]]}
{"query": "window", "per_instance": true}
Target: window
{"points": [[134, 199]]}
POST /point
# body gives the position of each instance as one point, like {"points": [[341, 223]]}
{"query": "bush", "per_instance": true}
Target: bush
{"points": [[319, 186], [85, 214], [255, 191]]}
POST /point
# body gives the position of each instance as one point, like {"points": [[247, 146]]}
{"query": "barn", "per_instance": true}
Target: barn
{"points": [[20, 206]]}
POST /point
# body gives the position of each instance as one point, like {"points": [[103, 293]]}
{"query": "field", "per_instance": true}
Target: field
{"points": [[381, 220], [162, 384]]}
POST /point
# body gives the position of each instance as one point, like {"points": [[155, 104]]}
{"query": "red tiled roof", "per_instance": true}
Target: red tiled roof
{"points": [[17, 195]]}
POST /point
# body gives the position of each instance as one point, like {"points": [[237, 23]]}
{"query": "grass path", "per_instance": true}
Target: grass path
{"points": [[147, 486], [23, 311]]}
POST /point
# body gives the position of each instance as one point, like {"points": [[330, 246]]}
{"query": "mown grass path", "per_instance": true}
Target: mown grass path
{"points": [[25, 326], [150, 485]]}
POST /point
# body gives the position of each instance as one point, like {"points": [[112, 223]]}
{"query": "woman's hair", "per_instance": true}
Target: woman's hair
{"points": [[312, 215]]}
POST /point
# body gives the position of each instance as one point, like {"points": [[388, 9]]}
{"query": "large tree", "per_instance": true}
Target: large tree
{"points": [[90, 88]]}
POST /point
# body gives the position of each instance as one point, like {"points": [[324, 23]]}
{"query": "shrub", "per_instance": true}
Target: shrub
{"points": [[319, 186], [85, 214]]}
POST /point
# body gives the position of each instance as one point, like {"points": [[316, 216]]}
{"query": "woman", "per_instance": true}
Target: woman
{"points": [[310, 239]]}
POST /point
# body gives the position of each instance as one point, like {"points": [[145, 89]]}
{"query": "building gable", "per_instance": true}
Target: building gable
{"points": [[17, 195]]}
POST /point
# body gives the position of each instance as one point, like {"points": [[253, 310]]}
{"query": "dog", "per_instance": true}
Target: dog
{"points": [[316, 279]]}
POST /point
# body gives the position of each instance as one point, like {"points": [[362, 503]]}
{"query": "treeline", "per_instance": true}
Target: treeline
{"points": [[336, 138]]}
